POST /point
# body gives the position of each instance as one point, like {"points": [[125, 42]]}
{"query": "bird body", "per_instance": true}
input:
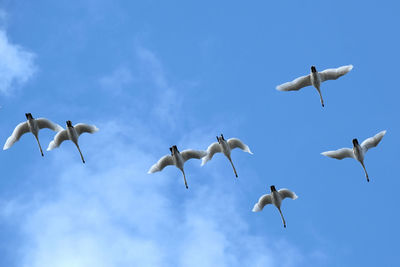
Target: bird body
{"points": [[31, 125], [178, 159], [72, 133], [358, 151], [275, 198], [225, 147], [315, 79]]}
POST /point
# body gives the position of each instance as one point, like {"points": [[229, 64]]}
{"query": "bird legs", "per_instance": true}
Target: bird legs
{"points": [[230, 160], [320, 96], [366, 173], [40, 147], [83, 160], [283, 219], [184, 178]]}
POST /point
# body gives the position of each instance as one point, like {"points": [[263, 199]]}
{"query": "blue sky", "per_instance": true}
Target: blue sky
{"points": [[151, 74]]}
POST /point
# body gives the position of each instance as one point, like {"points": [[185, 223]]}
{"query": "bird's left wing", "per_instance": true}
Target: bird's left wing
{"points": [[161, 164], [85, 128], [372, 141], [58, 139], [333, 74], [296, 84], [340, 153], [264, 200], [21, 129], [211, 150], [234, 143], [193, 154], [45, 123], [287, 193]]}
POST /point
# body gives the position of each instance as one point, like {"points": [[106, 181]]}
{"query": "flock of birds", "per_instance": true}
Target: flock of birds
{"points": [[178, 158]]}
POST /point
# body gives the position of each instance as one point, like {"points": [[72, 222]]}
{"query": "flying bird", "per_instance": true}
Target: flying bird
{"points": [[315, 79], [358, 151], [31, 125], [72, 133], [225, 146], [178, 159], [275, 198]]}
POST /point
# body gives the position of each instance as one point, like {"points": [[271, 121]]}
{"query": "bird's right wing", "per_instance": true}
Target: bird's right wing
{"points": [[85, 128], [234, 143], [45, 123], [264, 200], [58, 139], [211, 150], [21, 129], [192, 154], [161, 164], [333, 74], [287, 193], [372, 141], [340, 153], [296, 84]]}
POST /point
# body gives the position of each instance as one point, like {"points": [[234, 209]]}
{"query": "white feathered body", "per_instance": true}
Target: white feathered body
{"points": [[358, 153], [178, 160], [315, 80], [225, 148], [72, 135], [276, 199], [33, 126]]}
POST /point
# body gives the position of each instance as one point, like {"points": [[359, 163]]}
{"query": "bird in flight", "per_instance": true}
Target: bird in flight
{"points": [[72, 133], [31, 125], [178, 159], [275, 198], [225, 146], [315, 79], [358, 151]]}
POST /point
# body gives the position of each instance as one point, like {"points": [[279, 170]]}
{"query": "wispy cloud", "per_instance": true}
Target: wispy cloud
{"points": [[16, 63], [117, 81]]}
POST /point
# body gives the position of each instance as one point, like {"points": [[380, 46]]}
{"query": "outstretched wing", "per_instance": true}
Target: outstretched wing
{"points": [[333, 74], [161, 164], [234, 143], [372, 141], [21, 129], [45, 123], [264, 200], [58, 139], [340, 153], [287, 193], [211, 150], [296, 84], [85, 128], [192, 154]]}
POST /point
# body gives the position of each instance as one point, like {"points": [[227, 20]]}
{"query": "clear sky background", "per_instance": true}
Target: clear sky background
{"points": [[151, 74]]}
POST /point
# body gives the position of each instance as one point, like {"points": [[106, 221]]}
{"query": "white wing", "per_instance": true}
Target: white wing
{"points": [[21, 129], [234, 143], [333, 74], [340, 153], [193, 154], [45, 123], [296, 84], [287, 193], [264, 200], [85, 128], [58, 139], [211, 150], [161, 164], [372, 141]]}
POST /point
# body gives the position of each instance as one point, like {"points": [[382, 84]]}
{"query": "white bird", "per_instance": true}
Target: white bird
{"points": [[358, 151], [178, 159], [72, 133], [275, 198], [225, 146], [315, 79], [31, 125]]}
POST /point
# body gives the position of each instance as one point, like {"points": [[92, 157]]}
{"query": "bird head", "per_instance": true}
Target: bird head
{"points": [[28, 116], [69, 124], [313, 69], [222, 137], [273, 188], [355, 142], [175, 148]]}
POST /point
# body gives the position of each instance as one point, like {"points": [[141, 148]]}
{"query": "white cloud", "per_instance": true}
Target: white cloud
{"points": [[16, 64]]}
